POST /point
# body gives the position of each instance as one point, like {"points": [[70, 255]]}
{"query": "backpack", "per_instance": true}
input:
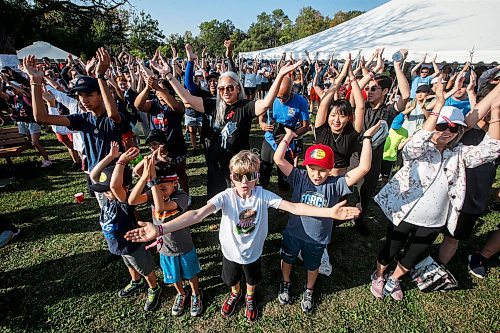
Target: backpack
{"points": [[429, 275]]}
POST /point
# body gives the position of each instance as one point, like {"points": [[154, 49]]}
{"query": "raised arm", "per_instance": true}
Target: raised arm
{"points": [[279, 155], [114, 152], [263, 104], [36, 80], [403, 85], [359, 101], [435, 67], [365, 158], [430, 122], [481, 109], [471, 89], [116, 183], [103, 61], [417, 66]]}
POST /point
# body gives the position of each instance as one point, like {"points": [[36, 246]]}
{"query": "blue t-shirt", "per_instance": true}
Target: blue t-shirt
{"points": [[463, 105], [289, 114], [116, 219], [98, 132], [418, 81], [317, 230]]}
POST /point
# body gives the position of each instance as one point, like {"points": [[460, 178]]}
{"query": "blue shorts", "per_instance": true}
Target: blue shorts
{"points": [[175, 268], [311, 252], [192, 121], [28, 128]]}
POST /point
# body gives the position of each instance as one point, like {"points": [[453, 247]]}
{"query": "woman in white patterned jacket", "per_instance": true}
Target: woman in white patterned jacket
{"points": [[427, 193]]}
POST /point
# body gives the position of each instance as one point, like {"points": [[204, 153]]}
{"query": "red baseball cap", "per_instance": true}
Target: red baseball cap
{"points": [[320, 155]]}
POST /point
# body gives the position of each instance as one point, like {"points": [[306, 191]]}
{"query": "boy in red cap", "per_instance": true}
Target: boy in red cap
{"points": [[314, 186]]}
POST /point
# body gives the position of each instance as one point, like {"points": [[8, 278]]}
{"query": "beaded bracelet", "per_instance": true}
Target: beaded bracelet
{"points": [[121, 163]]}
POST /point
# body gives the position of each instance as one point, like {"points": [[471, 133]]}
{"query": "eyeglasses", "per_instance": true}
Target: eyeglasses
{"points": [[222, 89], [284, 97], [450, 126], [249, 176], [373, 88]]}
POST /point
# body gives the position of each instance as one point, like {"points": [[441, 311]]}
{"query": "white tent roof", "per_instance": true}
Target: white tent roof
{"points": [[448, 28], [43, 49]]}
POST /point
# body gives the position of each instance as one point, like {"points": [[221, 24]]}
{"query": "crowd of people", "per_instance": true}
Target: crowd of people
{"points": [[438, 126]]}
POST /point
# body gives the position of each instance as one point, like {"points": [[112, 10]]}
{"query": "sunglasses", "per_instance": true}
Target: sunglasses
{"points": [[283, 98], [222, 89], [249, 176], [444, 126], [373, 88]]}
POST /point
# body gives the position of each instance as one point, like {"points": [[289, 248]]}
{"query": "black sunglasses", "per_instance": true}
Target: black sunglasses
{"points": [[452, 127]]}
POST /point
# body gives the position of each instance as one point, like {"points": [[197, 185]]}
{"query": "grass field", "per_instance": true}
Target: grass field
{"points": [[55, 277]]}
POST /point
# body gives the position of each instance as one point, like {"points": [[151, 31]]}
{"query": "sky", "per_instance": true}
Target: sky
{"points": [[178, 16]]}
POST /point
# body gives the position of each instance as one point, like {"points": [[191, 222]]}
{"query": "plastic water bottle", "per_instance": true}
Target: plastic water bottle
{"points": [[397, 56]]}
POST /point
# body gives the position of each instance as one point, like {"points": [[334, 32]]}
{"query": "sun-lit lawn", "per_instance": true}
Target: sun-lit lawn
{"points": [[56, 276]]}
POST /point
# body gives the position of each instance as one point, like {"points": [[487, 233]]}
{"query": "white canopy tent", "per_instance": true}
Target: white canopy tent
{"points": [[43, 49], [449, 28]]}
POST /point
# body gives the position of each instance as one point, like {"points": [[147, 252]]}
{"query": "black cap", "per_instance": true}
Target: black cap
{"points": [[156, 135], [104, 182], [85, 84], [212, 74], [424, 88]]}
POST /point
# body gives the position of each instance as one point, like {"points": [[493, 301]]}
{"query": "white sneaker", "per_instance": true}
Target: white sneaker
{"points": [[46, 163]]}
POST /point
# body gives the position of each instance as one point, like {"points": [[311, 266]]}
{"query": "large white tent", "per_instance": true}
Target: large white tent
{"points": [[43, 49], [449, 28]]}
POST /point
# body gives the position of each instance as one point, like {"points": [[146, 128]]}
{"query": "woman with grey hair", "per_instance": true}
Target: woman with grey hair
{"points": [[427, 193], [231, 118]]}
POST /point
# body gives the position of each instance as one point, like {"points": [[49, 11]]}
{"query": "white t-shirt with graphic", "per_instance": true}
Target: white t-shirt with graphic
{"points": [[243, 227]]}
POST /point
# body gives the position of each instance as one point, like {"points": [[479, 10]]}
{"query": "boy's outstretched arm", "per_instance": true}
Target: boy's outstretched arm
{"points": [[279, 155], [114, 152], [151, 232], [365, 158], [338, 212]]}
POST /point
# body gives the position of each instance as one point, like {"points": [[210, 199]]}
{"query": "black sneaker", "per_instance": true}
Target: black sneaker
{"points": [[285, 296], [360, 226], [132, 287], [307, 302], [477, 266], [153, 298]]}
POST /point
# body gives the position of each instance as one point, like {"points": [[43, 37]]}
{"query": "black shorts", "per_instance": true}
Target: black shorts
{"points": [[465, 226], [232, 272], [250, 91]]}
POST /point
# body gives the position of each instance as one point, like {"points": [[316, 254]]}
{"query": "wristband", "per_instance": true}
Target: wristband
{"points": [[494, 121], [35, 84], [153, 182], [160, 229], [121, 163], [369, 137], [102, 76], [434, 114]]}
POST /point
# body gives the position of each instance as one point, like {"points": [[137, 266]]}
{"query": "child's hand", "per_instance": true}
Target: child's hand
{"points": [[130, 155], [145, 234], [339, 212], [114, 152], [290, 134], [152, 163], [372, 130], [145, 171]]}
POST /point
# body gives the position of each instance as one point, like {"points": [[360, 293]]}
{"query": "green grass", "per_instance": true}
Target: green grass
{"points": [[55, 276]]}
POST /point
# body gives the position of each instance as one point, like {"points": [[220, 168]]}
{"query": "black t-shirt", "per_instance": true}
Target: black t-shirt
{"points": [[116, 219], [234, 135], [169, 122], [343, 145], [479, 179], [372, 116]]}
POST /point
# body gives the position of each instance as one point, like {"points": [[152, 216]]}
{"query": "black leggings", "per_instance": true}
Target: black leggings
{"points": [[413, 238], [266, 167]]}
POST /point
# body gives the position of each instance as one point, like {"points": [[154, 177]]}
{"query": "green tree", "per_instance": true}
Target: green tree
{"points": [[341, 17], [213, 33], [309, 22], [144, 33]]}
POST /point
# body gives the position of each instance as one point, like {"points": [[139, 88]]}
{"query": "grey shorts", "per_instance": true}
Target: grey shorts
{"points": [[141, 260], [28, 128]]}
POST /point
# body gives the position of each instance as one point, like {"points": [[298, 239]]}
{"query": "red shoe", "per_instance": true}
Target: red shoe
{"points": [[251, 311], [230, 304]]}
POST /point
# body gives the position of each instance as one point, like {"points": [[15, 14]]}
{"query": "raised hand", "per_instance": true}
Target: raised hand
{"points": [[372, 130], [161, 67], [472, 83], [228, 44], [145, 234], [289, 68], [89, 65], [191, 56], [103, 60], [114, 152], [48, 97], [174, 52], [340, 212], [404, 52], [130, 155], [29, 67], [425, 57], [440, 89], [147, 165], [152, 83], [435, 57], [290, 133]]}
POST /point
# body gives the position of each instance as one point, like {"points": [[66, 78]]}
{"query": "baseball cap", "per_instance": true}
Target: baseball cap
{"points": [[435, 80], [212, 74], [156, 135], [320, 155], [451, 114], [198, 73], [85, 84], [424, 88], [104, 182]]}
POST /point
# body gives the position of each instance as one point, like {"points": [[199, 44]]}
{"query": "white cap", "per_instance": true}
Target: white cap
{"points": [[435, 80], [450, 113], [198, 73]]}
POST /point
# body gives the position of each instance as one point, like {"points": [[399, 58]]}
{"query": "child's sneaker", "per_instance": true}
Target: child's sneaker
{"points": [[196, 305], [251, 311], [285, 296], [7, 236], [477, 266], [392, 287], [230, 304], [307, 303], [179, 303], [153, 298], [377, 287], [132, 287]]}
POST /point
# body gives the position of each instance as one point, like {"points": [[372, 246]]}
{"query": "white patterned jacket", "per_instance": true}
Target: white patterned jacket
{"points": [[421, 165]]}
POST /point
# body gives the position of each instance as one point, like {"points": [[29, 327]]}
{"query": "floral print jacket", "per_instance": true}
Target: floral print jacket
{"points": [[421, 165]]}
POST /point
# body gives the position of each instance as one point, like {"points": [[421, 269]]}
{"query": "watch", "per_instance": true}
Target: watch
{"points": [[102, 76], [367, 137], [153, 182]]}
